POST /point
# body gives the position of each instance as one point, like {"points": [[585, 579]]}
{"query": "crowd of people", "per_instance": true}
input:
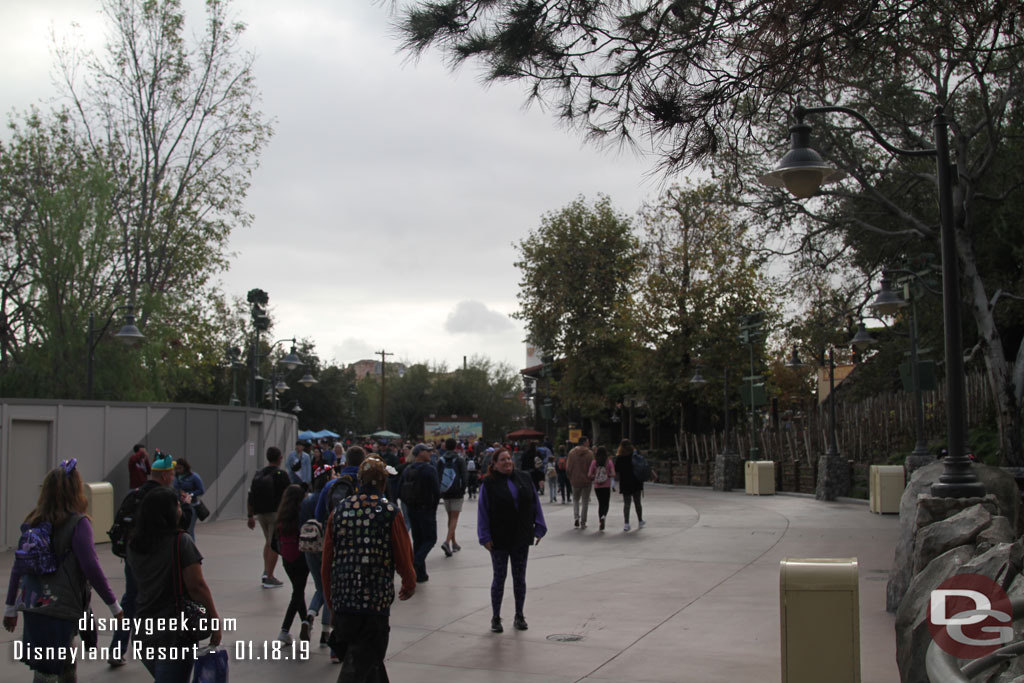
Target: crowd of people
{"points": [[351, 516]]}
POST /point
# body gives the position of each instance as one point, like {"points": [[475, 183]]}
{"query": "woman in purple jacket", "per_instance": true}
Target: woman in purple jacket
{"points": [[54, 603], [509, 520]]}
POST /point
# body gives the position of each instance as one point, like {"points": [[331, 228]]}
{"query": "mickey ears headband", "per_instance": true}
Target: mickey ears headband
{"points": [[69, 466]]}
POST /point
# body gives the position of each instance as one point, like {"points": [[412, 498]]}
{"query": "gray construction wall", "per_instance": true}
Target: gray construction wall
{"points": [[224, 445]]}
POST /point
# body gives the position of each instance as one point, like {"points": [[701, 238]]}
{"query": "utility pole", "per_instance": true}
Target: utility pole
{"points": [[383, 375]]}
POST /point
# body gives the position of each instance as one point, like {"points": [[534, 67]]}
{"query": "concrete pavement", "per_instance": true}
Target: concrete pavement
{"points": [[694, 596]]}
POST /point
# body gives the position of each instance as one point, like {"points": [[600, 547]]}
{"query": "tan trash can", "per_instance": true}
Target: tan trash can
{"points": [[820, 612], [885, 488], [760, 477], [100, 495]]}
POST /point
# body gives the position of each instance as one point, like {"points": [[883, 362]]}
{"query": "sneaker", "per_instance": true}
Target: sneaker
{"points": [[285, 637], [456, 547], [422, 578], [116, 662], [577, 523], [520, 623], [324, 635], [626, 527], [304, 630], [271, 582], [334, 658], [447, 549], [583, 525], [642, 524], [496, 625], [601, 527]]}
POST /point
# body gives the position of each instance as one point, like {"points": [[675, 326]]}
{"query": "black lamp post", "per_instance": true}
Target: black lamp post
{"points": [[728, 474], [888, 302], [128, 334], [235, 360], [802, 171]]}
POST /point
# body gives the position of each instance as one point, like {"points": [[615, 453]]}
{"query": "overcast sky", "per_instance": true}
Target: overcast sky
{"points": [[390, 197]]}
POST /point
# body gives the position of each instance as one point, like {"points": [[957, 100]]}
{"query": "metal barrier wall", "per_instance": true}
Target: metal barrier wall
{"points": [[225, 446]]}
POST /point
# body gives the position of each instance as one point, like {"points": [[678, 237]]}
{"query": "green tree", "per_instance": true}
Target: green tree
{"points": [[576, 299]]}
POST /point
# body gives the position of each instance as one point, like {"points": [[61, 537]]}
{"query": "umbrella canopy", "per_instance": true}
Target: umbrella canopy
{"points": [[325, 433], [307, 435], [385, 434], [525, 434]]}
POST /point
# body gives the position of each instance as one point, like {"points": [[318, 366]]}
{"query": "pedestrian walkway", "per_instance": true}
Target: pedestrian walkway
{"points": [[694, 596]]}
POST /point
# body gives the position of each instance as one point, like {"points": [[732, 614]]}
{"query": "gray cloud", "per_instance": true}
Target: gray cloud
{"points": [[473, 316]]}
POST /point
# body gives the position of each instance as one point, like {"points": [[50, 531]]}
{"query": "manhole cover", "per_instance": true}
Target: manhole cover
{"points": [[565, 637]]}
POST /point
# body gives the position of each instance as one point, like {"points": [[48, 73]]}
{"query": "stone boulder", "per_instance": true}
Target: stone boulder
{"points": [[998, 483], [960, 529]]}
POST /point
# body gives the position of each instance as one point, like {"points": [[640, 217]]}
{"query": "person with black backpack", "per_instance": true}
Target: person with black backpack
{"points": [[265, 494], [53, 565], [420, 490], [161, 475], [340, 488], [451, 473]]}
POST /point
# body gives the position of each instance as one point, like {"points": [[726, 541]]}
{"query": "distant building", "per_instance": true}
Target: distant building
{"points": [[371, 368]]}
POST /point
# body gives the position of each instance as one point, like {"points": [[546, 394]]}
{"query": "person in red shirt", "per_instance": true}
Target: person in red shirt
{"points": [[138, 466]]}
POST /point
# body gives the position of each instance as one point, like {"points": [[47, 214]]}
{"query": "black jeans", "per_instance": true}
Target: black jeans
{"points": [[364, 640], [298, 572], [635, 497], [423, 521], [603, 493]]}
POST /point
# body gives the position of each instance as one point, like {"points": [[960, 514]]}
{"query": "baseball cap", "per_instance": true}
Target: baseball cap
{"points": [[421, 447]]}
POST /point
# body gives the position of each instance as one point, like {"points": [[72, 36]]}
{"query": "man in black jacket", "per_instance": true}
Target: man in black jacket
{"points": [[265, 495], [419, 489]]}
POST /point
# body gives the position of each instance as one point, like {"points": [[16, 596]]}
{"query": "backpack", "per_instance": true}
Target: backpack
{"points": [[562, 460], [261, 493], [124, 523], [641, 470], [451, 478], [341, 489], [471, 464], [311, 536], [415, 488], [35, 553], [601, 474]]}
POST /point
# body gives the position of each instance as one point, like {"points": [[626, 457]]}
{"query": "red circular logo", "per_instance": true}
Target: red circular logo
{"points": [[970, 616]]}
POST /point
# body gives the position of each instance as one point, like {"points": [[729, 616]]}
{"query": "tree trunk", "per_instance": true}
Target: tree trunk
{"points": [[999, 370]]}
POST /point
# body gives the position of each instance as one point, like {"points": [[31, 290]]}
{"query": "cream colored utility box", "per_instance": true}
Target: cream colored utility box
{"points": [[885, 488], [819, 605], [100, 495], [760, 477]]}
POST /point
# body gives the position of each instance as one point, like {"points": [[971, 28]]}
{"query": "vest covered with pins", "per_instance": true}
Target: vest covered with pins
{"points": [[363, 566]]}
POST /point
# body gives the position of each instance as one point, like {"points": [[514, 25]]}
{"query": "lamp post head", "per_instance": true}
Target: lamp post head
{"points": [[292, 360], [281, 387], [794, 360], [308, 380], [863, 338], [802, 171], [888, 301], [129, 334], [698, 379]]}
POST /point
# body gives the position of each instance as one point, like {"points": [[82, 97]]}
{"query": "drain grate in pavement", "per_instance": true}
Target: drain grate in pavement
{"points": [[565, 637]]}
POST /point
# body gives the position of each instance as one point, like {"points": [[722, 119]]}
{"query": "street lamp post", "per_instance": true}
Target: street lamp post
{"points": [[128, 334], [802, 171], [728, 472], [887, 303]]}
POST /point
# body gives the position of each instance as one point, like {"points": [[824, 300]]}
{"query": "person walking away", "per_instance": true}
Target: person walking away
{"points": [[56, 535], [187, 481], [564, 487], [295, 567], [509, 520], [420, 490], [265, 495], [451, 473], [472, 480], [602, 469], [577, 469], [138, 466], [630, 486], [161, 476], [341, 487], [167, 564], [551, 474], [314, 558], [362, 552]]}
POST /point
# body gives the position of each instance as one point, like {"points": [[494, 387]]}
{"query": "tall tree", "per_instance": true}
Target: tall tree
{"points": [[180, 124], [576, 299]]}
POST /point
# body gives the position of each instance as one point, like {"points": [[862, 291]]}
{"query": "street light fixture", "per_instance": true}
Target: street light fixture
{"points": [[308, 380], [129, 335], [802, 172]]}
